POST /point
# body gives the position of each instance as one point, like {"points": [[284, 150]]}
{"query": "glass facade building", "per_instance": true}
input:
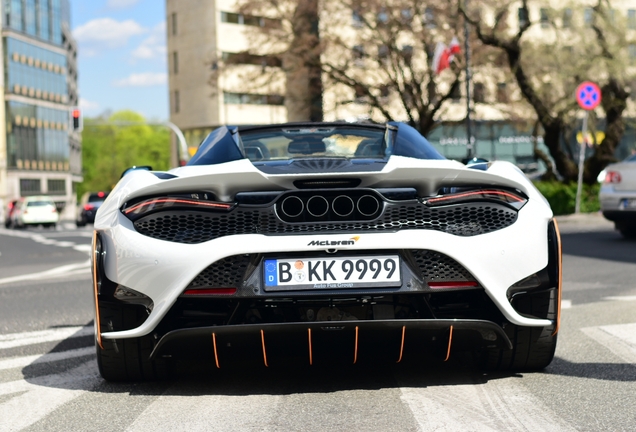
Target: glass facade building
{"points": [[43, 154]]}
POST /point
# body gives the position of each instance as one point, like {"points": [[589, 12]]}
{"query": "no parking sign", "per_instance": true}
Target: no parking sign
{"points": [[588, 95]]}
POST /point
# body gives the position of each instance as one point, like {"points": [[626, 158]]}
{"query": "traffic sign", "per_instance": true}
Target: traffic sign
{"points": [[588, 95]]}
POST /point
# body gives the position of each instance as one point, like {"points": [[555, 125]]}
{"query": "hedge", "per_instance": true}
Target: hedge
{"points": [[562, 197]]}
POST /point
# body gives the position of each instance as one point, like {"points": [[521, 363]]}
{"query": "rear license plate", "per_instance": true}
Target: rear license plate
{"points": [[628, 204], [332, 273]]}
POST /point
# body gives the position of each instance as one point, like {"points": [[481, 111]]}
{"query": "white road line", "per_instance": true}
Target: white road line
{"points": [[619, 339], [58, 271], [22, 339], [17, 362], [566, 304], [42, 395], [620, 298], [496, 405]]}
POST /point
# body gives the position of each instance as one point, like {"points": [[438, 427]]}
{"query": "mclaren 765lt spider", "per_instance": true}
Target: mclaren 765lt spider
{"points": [[323, 241]]}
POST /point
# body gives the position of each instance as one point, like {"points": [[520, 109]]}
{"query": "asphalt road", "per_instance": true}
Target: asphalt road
{"points": [[49, 379]]}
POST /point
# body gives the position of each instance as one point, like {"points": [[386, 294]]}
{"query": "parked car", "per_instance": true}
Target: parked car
{"points": [[324, 241], [88, 206], [618, 196], [35, 210], [8, 212]]}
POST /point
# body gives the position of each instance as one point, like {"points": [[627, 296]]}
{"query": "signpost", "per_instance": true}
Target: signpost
{"points": [[588, 96]]}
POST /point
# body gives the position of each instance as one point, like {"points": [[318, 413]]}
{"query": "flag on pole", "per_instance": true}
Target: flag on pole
{"points": [[444, 55]]}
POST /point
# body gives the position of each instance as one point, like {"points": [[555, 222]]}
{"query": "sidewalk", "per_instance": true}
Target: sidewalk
{"points": [[584, 221]]}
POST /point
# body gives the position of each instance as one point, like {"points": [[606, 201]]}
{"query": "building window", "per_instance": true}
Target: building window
{"points": [[545, 20], [356, 19], [522, 13], [456, 94], [429, 18], [251, 20], [252, 59], [229, 17], [631, 19], [632, 53], [588, 16], [175, 62], [173, 23], [567, 18], [56, 187], [502, 92], [231, 98], [175, 102], [479, 93], [30, 187]]}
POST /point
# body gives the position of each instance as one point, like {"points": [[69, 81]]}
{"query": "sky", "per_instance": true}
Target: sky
{"points": [[121, 56]]}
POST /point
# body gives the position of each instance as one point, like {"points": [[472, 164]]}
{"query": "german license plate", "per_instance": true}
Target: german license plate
{"points": [[332, 273]]}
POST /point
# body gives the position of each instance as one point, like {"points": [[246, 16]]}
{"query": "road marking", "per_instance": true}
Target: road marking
{"points": [[22, 339], [58, 271], [620, 298], [619, 339], [42, 395], [40, 238], [497, 405], [17, 362], [566, 304]]}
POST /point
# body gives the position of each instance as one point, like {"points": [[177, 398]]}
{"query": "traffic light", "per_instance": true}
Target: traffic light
{"points": [[77, 123]]}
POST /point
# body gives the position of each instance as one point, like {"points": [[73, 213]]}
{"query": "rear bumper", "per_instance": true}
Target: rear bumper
{"points": [[319, 341]]}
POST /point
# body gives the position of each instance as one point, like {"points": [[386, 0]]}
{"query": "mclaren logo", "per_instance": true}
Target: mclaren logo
{"points": [[349, 242]]}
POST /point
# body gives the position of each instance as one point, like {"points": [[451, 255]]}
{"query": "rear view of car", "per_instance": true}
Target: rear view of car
{"points": [[37, 210], [88, 206], [618, 196]]}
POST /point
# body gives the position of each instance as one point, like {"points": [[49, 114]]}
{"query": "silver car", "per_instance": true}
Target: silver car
{"points": [[618, 196]]}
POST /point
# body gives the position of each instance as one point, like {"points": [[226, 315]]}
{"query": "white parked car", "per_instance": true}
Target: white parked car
{"points": [[35, 210], [618, 196]]}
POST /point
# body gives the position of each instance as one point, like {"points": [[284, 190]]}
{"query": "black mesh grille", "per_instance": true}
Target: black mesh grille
{"points": [[437, 267], [228, 272], [196, 227]]}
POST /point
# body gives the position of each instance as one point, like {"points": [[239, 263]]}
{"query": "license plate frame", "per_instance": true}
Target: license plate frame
{"points": [[303, 274]]}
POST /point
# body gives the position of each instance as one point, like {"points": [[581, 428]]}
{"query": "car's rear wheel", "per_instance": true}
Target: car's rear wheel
{"points": [[126, 359], [532, 347], [627, 229]]}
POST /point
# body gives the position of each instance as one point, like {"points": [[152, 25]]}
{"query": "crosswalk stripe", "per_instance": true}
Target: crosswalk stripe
{"points": [[16, 362], [618, 338], [30, 338]]}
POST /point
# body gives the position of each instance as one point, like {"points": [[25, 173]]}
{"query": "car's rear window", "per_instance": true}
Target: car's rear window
{"points": [[309, 142], [39, 203], [97, 197]]}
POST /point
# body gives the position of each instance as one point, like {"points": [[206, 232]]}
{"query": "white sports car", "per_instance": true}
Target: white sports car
{"points": [[321, 242]]}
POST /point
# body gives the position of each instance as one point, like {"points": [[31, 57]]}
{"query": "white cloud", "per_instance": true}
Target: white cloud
{"points": [[121, 4], [105, 33], [145, 79], [88, 106], [154, 46]]}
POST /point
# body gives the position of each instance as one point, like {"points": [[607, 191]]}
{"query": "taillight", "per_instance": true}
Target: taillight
{"points": [[89, 207], [612, 177], [452, 284], [510, 198], [210, 291], [144, 207]]}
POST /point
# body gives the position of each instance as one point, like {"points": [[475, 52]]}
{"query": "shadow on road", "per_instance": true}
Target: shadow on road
{"points": [[606, 245]]}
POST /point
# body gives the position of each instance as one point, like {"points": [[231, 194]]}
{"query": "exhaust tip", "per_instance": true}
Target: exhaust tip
{"points": [[317, 206], [368, 205], [343, 205], [292, 206]]}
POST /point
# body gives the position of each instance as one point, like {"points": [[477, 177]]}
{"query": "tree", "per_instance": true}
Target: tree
{"points": [[549, 57], [370, 53], [112, 144]]}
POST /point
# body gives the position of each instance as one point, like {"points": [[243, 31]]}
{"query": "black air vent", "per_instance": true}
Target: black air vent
{"points": [[321, 164], [327, 183]]}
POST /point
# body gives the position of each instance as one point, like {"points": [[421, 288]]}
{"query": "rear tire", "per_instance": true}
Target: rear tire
{"points": [[126, 359], [532, 347]]}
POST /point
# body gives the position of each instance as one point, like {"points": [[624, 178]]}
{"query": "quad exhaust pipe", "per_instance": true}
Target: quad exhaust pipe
{"points": [[342, 206]]}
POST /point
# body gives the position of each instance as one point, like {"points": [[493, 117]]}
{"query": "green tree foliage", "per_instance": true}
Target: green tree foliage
{"points": [[112, 144]]}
